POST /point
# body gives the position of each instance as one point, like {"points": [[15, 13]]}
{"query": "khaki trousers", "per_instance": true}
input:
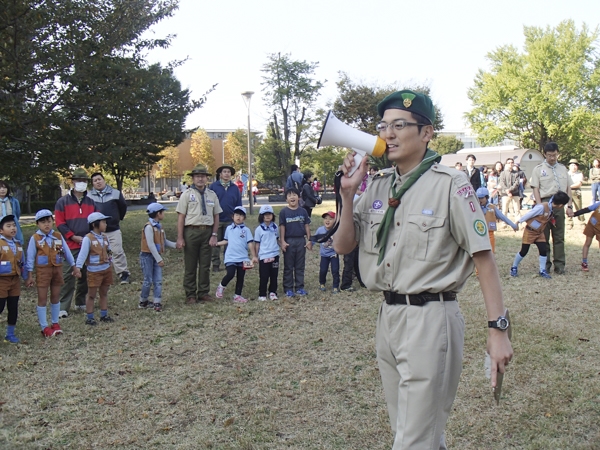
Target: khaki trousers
{"points": [[558, 241], [419, 351], [115, 240], [196, 256], [514, 204], [216, 251]]}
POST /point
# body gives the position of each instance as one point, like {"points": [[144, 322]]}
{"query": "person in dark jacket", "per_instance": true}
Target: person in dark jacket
{"points": [[70, 215], [229, 197], [308, 194], [10, 205], [473, 173], [111, 202]]}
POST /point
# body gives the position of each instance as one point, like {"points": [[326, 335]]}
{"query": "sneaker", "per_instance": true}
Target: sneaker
{"points": [[107, 319], [11, 339], [124, 277], [336, 291], [289, 293], [63, 315], [545, 274], [301, 292], [219, 293], [144, 304], [273, 296], [239, 299], [584, 267], [262, 299], [348, 289], [157, 307], [322, 288], [56, 329], [514, 272], [91, 322], [47, 332]]}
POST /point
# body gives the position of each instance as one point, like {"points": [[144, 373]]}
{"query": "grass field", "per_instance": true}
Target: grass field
{"points": [[297, 374]]}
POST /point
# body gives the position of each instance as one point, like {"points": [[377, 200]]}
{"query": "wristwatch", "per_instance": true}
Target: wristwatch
{"points": [[214, 234], [502, 323]]}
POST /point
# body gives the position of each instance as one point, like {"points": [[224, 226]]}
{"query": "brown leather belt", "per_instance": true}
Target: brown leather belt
{"points": [[393, 298], [199, 227]]}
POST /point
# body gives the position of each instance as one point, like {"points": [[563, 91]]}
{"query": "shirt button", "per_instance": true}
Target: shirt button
{"points": [[388, 264], [424, 224], [397, 224]]}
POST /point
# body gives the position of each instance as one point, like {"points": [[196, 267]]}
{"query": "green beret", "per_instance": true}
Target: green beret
{"points": [[79, 174], [408, 101]]}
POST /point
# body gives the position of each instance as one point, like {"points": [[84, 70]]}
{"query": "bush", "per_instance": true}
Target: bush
{"points": [[37, 205]]}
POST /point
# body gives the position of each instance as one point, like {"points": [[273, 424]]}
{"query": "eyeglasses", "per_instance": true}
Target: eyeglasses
{"points": [[398, 125]]}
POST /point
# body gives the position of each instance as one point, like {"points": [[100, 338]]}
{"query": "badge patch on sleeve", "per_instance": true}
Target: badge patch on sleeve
{"points": [[466, 191], [472, 206], [480, 228]]}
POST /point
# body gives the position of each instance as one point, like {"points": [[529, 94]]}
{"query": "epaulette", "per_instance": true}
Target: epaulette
{"points": [[459, 177]]}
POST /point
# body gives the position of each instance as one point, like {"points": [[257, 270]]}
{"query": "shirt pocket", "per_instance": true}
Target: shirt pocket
{"points": [[94, 259], [424, 237], [369, 235], [42, 260], [5, 267]]}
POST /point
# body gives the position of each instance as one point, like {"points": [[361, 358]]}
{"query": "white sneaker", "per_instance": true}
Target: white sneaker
{"points": [[219, 293], [273, 296], [262, 299], [63, 314]]}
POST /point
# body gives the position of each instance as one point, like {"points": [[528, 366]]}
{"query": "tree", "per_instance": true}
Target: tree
{"points": [[269, 159], [446, 144], [323, 162], [236, 149], [291, 91], [201, 150], [168, 165], [548, 92]]}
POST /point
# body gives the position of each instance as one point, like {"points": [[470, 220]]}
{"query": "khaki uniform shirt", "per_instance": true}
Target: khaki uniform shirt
{"points": [[549, 180], [436, 229], [190, 204]]}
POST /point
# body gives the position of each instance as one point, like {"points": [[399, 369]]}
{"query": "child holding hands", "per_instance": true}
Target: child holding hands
{"points": [[328, 254], [238, 239], [266, 238]]}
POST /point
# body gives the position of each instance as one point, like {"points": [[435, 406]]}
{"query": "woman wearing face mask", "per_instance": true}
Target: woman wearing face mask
{"points": [[70, 214], [10, 205]]}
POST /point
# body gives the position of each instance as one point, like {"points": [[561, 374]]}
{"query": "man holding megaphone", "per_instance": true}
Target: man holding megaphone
{"points": [[419, 232]]}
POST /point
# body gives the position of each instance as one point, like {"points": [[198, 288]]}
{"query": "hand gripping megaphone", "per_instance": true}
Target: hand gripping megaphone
{"points": [[337, 133]]}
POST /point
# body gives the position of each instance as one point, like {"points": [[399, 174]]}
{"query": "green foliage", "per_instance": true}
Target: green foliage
{"points": [[270, 161], [201, 150], [548, 92], [446, 144], [323, 162]]}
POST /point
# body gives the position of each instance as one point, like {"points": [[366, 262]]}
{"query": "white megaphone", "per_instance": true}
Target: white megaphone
{"points": [[337, 133]]}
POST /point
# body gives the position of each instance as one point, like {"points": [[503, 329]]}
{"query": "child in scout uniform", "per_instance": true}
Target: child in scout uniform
{"points": [[591, 230], [492, 213], [96, 255], [328, 254], [45, 254], [294, 224], [151, 261], [266, 239], [537, 219], [12, 262], [238, 239]]}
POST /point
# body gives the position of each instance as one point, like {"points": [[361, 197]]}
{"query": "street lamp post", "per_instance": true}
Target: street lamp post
{"points": [[247, 96]]}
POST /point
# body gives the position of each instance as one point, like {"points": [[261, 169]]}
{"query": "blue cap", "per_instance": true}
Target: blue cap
{"points": [[482, 192], [96, 216], [266, 209], [239, 209], [155, 207], [42, 213]]}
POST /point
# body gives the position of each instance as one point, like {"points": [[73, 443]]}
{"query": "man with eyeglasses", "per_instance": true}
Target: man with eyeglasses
{"points": [[420, 231], [509, 187]]}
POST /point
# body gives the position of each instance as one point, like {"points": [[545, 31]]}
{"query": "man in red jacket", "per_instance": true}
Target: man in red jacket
{"points": [[71, 213]]}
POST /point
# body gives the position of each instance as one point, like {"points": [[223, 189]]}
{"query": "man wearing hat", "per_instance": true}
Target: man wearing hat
{"points": [[70, 215], [420, 231], [576, 183], [547, 179], [197, 225], [229, 197]]}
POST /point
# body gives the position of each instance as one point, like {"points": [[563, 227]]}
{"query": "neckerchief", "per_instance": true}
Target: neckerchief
{"points": [[225, 184], [238, 226], [266, 228], [430, 158], [4, 200], [202, 192], [155, 224]]}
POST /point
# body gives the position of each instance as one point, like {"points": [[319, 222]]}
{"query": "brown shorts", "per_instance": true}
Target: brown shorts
{"points": [[590, 231], [49, 276], [102, 278], [10, 286], [531, 236]]}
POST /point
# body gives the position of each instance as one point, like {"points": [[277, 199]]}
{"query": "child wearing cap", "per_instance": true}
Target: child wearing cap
{"points": [[266, 238], [328, 254], [238, 239], [492, 213], [46, 252], [12, 262], [95, 253], [153, 245], [537, 219]]}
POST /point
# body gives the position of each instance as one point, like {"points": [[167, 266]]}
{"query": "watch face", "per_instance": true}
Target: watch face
{"points": [[502, 323]]}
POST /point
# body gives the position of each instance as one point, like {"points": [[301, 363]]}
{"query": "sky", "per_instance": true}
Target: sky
{"points": [[439, 43]]}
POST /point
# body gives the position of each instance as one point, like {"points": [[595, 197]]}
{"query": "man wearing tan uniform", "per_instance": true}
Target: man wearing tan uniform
{"points": [[546, 180], [419, 229], [197, 225]]}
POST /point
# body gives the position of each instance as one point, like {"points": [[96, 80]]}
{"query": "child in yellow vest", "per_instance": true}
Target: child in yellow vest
{"points": [[591, 230], [151, 262], [95, 253], [491, 213], [12, 262], [536, 220], [45, 254]]}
